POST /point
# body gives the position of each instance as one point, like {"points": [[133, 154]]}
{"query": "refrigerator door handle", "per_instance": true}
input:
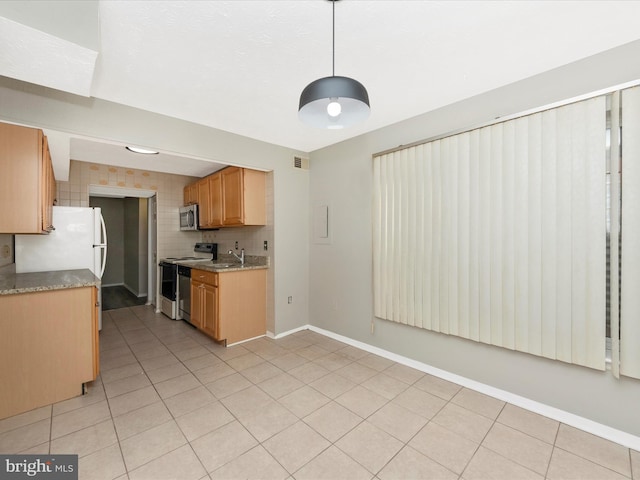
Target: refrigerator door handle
{"points": [[104, 244]]}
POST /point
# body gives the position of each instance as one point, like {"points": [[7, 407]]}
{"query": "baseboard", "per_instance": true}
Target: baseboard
{"points": [[590, 426], [245, 341], [112, 284], [288, 332], [134, 292]]}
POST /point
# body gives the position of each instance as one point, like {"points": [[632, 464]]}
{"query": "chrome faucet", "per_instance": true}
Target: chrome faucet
{"points": [[241, 257]]}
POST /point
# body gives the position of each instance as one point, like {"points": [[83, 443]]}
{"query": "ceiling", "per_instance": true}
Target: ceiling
{"points": [[240, 66]]}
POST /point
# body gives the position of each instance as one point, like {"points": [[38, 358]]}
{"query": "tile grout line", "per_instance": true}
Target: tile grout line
{"points": [[124, 463], [163, 402], [301, 419]]}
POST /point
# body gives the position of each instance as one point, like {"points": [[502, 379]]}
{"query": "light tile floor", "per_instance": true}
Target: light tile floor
{"points": [[172, 404]]}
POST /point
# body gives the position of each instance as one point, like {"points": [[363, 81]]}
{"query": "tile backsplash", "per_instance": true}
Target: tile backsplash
{"points": [[169, 195], [250, 238]]}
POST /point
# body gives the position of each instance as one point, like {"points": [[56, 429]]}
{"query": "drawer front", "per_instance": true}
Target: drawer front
{"points": [[205, 277]]}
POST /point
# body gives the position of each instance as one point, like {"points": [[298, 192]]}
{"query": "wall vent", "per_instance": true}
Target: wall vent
{"points": [[302, 163]]}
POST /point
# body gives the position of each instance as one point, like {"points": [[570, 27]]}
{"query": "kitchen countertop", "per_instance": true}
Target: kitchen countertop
{"points": [[251, 262], [14, 283]]}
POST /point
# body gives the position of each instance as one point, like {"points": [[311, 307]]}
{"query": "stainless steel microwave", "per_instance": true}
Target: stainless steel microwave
{"points": [[189, 217]]}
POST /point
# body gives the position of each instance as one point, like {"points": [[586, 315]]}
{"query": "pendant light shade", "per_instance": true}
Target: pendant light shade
{"points": [[334, 102]]}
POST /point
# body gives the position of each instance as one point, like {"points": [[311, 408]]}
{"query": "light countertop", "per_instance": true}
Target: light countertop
{"points": [[14, 283], [231, 264]]}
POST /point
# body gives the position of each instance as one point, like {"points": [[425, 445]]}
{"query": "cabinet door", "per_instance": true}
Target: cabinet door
{"points": [[232, 196], [95, 315], [46, 347], [210, 310], [239, 319], [20, 179], [255, 205], [53, 199], [190, 194], [196, 303], [215, 192], [186, 195], [204, 202], [48, 187]]}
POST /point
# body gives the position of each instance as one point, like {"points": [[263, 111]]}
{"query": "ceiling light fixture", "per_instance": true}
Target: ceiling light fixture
{"points": [[143, 151], [334, 102]]}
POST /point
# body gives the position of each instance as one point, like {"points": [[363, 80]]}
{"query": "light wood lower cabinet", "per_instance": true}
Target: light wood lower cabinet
{"points": [[229, 306], [210, 310], [96, 333], [48, 347], [204, 300]]}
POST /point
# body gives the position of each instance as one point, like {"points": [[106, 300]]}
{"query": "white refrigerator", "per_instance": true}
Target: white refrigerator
{"points": [[78, 241]]}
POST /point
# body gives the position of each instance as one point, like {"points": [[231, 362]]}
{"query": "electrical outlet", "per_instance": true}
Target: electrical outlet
{"points": [[266, 245], [290, 300], [5, 252], [236, 244]]}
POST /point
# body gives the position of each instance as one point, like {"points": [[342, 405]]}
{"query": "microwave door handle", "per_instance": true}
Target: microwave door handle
{"points": [[192, 219]]}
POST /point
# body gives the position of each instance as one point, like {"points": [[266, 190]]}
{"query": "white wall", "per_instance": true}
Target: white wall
{"points": [[46, 108], [143, 247], [341, 272]]}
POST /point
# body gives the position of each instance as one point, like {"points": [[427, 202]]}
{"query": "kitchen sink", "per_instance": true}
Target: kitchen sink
{"points": [[224, 265]]}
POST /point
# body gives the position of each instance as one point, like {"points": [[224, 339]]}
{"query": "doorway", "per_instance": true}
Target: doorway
{"points": [[130, 219]]}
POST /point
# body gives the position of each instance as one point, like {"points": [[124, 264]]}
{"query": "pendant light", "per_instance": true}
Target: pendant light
{"points": [[334, 102]]}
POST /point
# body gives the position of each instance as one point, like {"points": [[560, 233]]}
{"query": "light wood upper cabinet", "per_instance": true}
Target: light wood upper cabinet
{"points": [[204, 204], [191, 194], [243, 197], [215, 191], [27, 183], [230, 197], [49, 186]]}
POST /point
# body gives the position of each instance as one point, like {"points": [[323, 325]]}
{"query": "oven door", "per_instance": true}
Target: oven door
{"points": [[168, 278]]}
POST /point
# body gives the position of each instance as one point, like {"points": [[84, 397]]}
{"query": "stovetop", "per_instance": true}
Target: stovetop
{"points": [[210, 248], [184, 259]]}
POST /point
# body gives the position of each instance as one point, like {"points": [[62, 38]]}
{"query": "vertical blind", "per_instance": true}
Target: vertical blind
{"points": [[629, 343], [498, 234]]}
